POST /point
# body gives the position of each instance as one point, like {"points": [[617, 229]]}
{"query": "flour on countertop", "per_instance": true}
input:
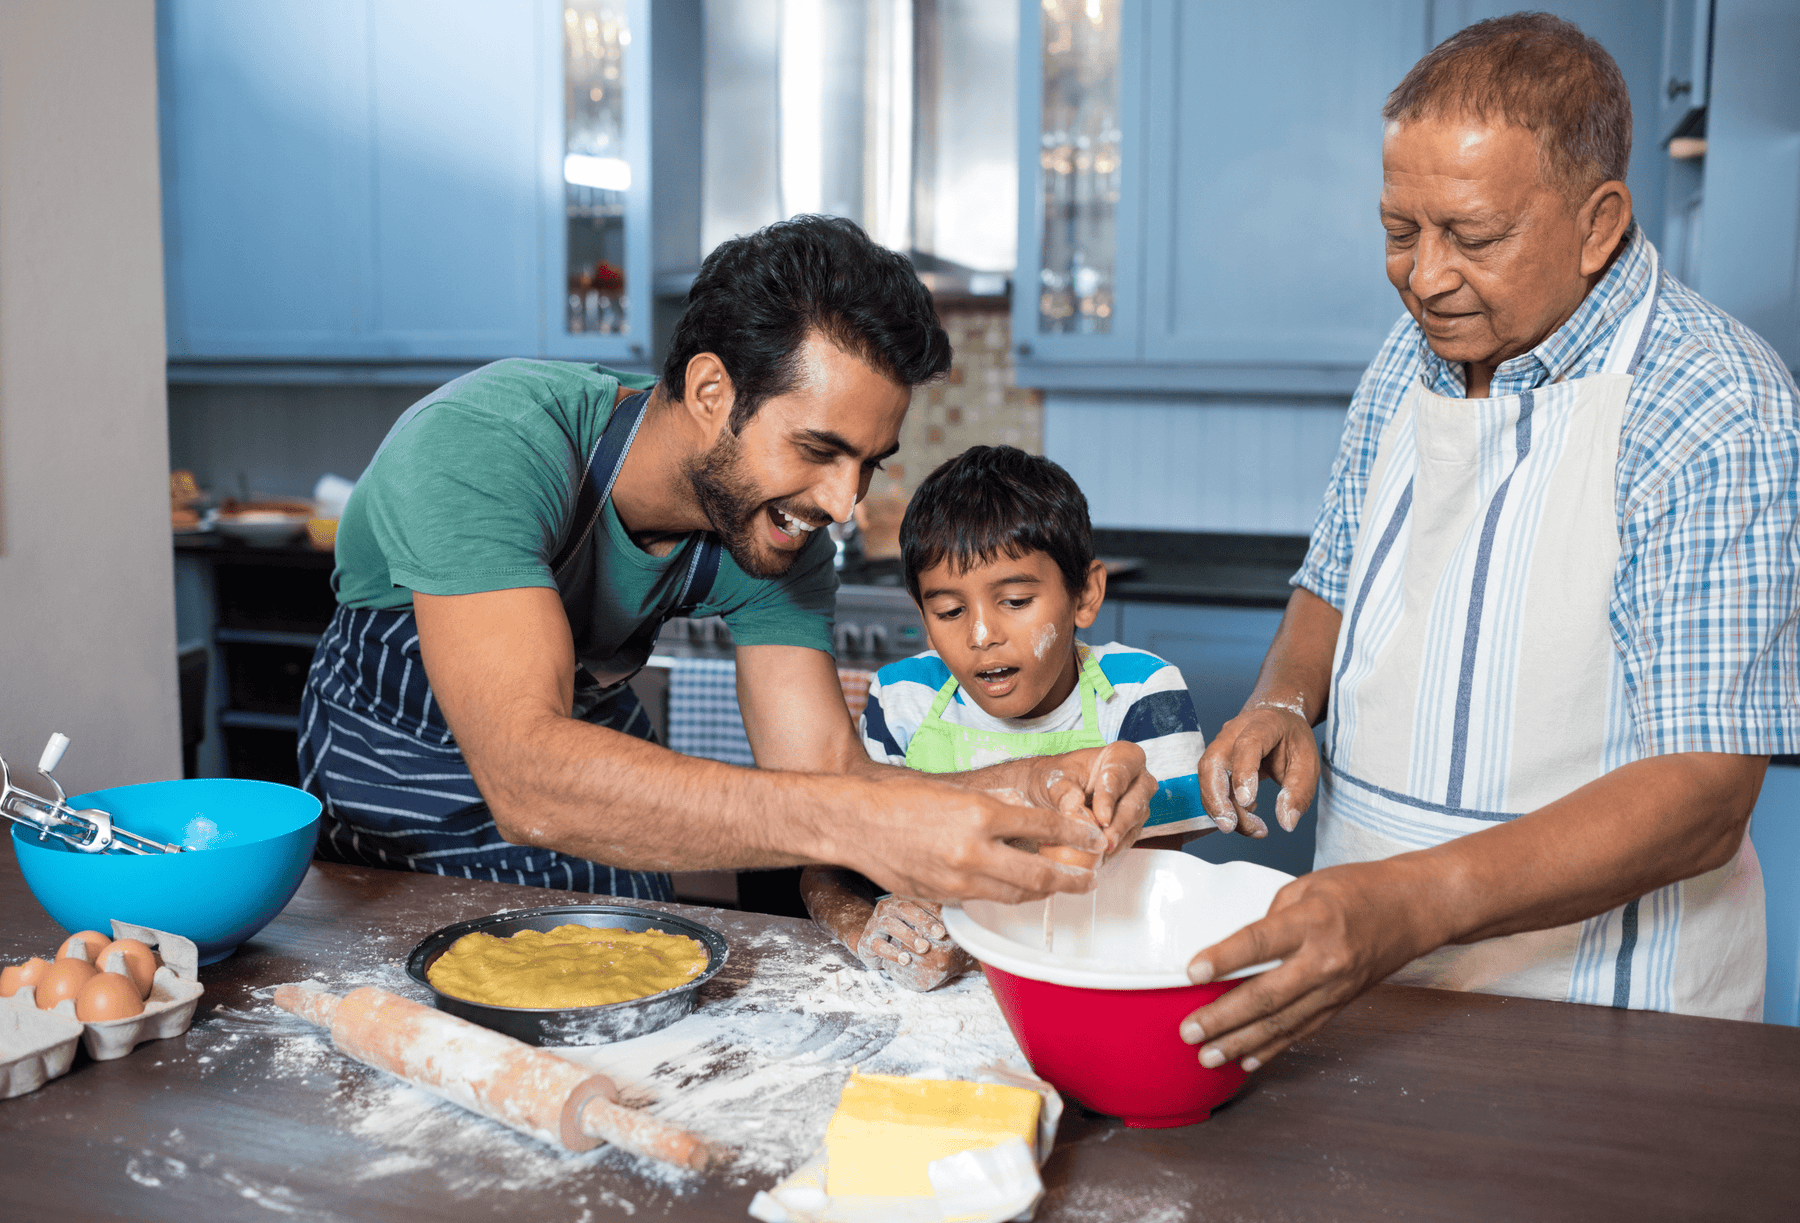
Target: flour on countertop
{"points": [[755, 1070]]}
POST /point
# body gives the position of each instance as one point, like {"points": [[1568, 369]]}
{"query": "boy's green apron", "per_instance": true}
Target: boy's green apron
{"points": [[938, 747]]}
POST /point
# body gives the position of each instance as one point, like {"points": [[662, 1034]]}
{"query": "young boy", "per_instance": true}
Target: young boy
{"points": [[999, 555]]}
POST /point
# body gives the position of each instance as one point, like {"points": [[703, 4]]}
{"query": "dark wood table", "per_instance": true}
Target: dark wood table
{"points": [[1411, 1104]]}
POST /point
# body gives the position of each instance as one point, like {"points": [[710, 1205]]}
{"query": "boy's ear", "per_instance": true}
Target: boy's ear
{"points": [[1087, 606]]}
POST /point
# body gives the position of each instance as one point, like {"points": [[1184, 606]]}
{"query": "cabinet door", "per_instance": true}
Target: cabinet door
{"points": [[1219, 651], [1264, 134], [266, 176], [593, 95], [350, 180], [454, 207], [1686, 75], [1775, 831], [1081, 170]]}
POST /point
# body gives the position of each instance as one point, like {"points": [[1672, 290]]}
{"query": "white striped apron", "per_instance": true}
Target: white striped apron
{"points": [[1475, 679]]}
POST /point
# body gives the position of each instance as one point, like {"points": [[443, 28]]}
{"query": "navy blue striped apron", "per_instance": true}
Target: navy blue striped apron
{"points": [[376, 751]]}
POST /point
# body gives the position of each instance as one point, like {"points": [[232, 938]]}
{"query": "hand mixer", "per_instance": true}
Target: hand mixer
{"points": [[91, 831]]}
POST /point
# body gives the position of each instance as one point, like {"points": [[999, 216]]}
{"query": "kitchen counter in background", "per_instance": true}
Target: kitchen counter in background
{"points": [[1206, 568]]}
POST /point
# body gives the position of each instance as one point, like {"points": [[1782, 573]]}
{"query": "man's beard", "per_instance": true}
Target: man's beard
{"points": [[732, 504]]}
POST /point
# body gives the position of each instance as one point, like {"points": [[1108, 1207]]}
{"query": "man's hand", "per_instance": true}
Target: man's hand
{"points": [[906, 939], [1266, 740], [1108, 785], [1336, 932], [940, 841], [1273, 736]]}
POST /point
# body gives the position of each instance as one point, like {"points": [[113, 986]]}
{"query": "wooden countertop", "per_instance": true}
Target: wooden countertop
{"points": [[1412, 1104]]}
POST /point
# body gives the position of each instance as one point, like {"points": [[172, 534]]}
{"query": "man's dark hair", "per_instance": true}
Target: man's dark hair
{"points": [[759, 296], [1536, 72], [994, 501]]}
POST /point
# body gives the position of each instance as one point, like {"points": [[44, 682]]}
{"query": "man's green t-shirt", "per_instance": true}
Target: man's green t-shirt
{"points": [[473, 490]]}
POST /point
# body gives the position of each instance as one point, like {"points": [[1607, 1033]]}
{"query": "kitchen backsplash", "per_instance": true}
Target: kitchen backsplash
{"points": [[976, 405]]}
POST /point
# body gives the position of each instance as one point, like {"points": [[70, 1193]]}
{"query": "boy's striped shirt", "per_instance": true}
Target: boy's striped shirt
{"points": [[1149, 706]]}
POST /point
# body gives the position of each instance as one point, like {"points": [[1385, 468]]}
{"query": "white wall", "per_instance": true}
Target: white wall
{"points": [[87, 623], [1177, 464]]}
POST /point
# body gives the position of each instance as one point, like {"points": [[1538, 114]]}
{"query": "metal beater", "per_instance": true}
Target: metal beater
{"points": [[91, 831]]}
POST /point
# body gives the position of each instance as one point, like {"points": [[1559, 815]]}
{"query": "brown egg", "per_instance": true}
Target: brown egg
{"points": [[63, 979], [108, 995], [93, 940], [16, 977], [134, 959]]}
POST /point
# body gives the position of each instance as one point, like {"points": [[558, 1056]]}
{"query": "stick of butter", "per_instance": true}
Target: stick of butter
{"points": [[887, 1129]]}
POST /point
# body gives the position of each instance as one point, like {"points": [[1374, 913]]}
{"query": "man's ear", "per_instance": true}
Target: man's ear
{"points": [[1093, 594], [708, 395], [1602, 220]]}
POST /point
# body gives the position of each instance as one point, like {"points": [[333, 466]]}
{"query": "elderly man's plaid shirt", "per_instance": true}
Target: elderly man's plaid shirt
{"points": [[1707, 594]]}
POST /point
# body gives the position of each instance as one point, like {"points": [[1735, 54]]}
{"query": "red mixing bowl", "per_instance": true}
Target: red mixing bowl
{"points": [[1098, 1013], [1118, 1051]]}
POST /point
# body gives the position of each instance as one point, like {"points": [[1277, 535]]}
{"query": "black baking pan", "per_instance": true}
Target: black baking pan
{"points": [[581, 1025]]}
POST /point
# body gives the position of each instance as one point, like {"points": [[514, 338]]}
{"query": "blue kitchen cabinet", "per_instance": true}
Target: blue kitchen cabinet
{"points": [[1231, 246], [1686, 68], [1219, 651], [353, 181], [1775, 831], [1747, 243]]}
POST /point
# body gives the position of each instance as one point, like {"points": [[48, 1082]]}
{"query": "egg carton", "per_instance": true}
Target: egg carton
{"points": [[37, 1046]]}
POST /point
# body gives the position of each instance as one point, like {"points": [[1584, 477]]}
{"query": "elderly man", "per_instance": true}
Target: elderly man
{"points": [[509, 554], [1550, 601]]}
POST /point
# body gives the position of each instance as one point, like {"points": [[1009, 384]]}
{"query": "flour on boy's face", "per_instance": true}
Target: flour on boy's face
{"points": [[1006, 629]]}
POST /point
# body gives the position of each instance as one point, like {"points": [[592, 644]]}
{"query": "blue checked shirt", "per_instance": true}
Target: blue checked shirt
{"points": [[1706, 601]]}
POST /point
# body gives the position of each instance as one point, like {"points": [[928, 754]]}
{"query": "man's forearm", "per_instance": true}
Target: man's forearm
{"points": [[1296, 672], [598, 794], [1641, 827]]}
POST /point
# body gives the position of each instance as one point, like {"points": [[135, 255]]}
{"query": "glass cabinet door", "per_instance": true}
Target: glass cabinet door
{"points": [[596, 172], [1079, 204], [595, 238]]}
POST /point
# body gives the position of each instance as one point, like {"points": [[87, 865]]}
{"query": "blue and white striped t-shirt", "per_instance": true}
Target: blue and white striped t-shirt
{"points": [[1149, 706]]}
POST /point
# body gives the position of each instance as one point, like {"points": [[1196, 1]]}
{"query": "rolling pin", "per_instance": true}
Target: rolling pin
{"points": [[487, 1072]]}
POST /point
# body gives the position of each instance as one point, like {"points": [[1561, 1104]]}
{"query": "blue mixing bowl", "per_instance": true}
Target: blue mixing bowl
{"points": [[250, 844]]}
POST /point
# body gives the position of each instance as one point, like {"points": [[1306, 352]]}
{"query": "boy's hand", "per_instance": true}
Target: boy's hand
{"points": [[907, 941]]}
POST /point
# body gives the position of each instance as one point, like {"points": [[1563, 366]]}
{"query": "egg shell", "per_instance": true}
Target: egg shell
{"points": [[63, 979], [92, 940], [17, 976], [133, 959], [108, 995]]}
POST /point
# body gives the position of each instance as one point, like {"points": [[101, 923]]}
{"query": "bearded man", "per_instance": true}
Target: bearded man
{"points": [[1550, 604], [507, 558]]}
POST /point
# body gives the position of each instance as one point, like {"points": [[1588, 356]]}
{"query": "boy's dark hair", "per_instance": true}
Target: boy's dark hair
{"points": [[758, 296], [994, 501]]}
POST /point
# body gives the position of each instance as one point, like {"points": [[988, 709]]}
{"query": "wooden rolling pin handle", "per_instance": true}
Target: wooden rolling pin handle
{"points": [[313, 1005], [601, 1118]]}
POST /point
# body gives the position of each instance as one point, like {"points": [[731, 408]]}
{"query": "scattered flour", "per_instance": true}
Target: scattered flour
{"points": [[756, 1070]]}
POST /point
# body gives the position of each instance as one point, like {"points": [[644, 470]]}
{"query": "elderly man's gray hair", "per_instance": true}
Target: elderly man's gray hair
{"points": [[1536, 72]]}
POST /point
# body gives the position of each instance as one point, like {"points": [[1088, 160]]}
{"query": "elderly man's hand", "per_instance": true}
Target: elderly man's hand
{"points": [[1336, 932], [1268, 739]]}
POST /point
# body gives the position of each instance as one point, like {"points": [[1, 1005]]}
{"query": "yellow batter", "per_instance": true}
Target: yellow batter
{"points": [[566, 967]]}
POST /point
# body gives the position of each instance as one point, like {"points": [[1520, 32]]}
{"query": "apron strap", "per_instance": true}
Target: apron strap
{"points": [[944, 696], [603, 467]]}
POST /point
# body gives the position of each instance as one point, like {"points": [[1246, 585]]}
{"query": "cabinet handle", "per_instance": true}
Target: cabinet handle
{"points": [[1024, 350], [1677, 87]]}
